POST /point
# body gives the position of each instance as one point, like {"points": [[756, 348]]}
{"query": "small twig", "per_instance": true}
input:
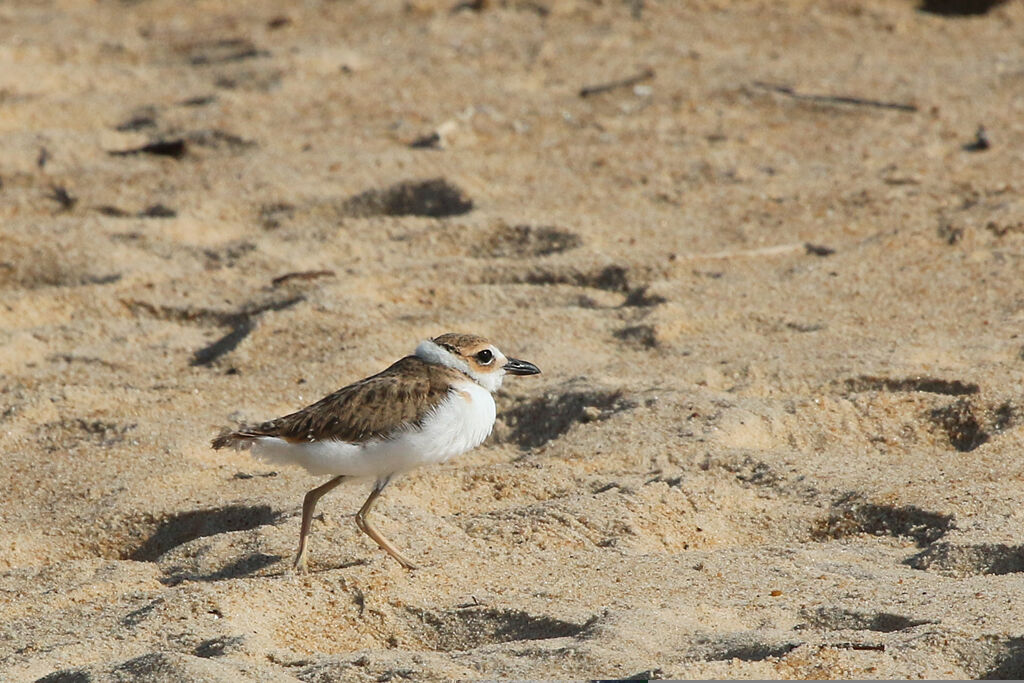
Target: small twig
{"points": [[467, 605], [873, 647], [818, 249], [429, 141], [473, 5], [250, 475], [644, 75], [776, 250], [980, 142], [61, 195], [301, 275], [175, 149], [71, 358], [835, 99]]}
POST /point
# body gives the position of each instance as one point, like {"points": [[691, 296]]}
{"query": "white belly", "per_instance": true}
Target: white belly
{"points": [[459, 423]]}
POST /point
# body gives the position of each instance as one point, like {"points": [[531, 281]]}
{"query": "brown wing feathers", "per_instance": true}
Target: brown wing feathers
{"points": [[371, 408]]}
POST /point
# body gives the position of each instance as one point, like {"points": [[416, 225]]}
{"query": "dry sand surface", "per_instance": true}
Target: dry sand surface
{"points": [[773, 279]]}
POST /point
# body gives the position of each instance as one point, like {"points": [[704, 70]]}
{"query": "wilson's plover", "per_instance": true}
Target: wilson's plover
{"points": [[424, 409]]}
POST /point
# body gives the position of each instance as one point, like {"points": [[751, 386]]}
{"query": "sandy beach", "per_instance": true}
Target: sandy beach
{"points": [[769, 256]]}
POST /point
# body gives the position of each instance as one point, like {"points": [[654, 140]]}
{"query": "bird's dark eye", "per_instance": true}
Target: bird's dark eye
{"points": [[484, 357]]}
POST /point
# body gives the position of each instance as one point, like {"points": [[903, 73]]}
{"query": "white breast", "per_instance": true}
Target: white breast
{"points": [[459, 423]]}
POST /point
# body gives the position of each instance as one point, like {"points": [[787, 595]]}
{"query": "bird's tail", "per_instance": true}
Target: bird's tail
{"points": [[241, 440]]}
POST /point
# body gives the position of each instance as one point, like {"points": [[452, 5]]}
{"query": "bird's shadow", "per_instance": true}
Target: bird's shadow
{"points": [[179, 528], [248, 565], [182, 527], [244, 566]]}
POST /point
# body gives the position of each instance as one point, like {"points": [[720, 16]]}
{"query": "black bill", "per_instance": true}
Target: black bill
{"points": [[514, 366]]}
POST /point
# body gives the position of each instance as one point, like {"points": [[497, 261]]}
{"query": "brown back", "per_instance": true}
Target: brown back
{"points": [[371, 408]]}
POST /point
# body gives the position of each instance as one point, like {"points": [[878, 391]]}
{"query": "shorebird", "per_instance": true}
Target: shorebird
{"points": [[424, 409]]}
